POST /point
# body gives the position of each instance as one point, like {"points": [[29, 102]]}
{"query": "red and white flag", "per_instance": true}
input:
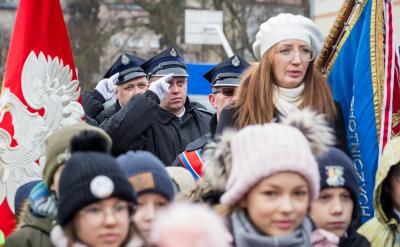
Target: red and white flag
{"points": [[40, 94], [390, 120]]}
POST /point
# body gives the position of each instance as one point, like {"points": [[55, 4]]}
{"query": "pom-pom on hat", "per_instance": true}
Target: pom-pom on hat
{"points": [[283, 27], [260, 151], [89, 177], [74, 137], [187, 224]]}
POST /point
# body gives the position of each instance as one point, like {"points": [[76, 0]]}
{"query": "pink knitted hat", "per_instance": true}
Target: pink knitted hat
{"points": [[259, 151]]}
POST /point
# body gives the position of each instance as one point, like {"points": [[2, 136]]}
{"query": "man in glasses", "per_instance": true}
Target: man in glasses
{"points": [[224, 79]]}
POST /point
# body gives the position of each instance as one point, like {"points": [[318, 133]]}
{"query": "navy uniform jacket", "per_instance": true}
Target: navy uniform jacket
{"points": [[200, 142], [92, 102], [143, 125]]}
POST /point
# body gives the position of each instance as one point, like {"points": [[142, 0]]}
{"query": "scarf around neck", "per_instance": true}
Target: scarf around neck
{"points": [[287, 100], [246, 235], [42, 201]]}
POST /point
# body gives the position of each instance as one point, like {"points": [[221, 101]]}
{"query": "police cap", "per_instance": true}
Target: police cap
{"points": [[227, 73]]}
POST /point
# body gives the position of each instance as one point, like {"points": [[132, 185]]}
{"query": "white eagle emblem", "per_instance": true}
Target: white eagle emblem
{"points": [[46, 84]]}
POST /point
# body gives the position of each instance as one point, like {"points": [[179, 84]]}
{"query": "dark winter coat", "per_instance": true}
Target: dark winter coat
{"points": [[200, 142], [354, 240], [228, 119], [143, 125], [93, 105], [33, 231], [352, 237]]}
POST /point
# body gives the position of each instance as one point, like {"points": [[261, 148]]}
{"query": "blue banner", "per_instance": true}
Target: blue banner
{"points": [[197, 84], [352, 85]]}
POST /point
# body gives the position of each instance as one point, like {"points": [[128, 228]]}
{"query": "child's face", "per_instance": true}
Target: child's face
{"points": [[103, 223], [278, 204], [333, 209], [148, 207]]}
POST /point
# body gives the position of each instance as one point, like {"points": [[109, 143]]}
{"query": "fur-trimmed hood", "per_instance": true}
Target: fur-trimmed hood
{"points": [[27, 219], [218, 153]]}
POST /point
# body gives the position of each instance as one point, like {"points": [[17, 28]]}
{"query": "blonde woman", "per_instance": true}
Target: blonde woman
{"points": [[284, 80]]}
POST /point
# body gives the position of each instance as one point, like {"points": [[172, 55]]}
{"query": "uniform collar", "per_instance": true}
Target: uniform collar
{"points": [[165, 116]]}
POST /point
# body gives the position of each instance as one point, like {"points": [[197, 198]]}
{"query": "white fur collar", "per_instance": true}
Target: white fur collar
{"points": [[59, 239]]}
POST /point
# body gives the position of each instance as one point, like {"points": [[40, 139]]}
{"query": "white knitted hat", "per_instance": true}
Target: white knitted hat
{"points": [[283, 27], [259, 151]]}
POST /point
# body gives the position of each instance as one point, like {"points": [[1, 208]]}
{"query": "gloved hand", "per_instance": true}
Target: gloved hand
{"points": [[161, 86], [323, 238], [106, 87]]}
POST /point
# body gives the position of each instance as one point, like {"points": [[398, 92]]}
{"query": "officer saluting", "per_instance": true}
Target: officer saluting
{"points": [[122, 81], [224, 79], [163, 120]]}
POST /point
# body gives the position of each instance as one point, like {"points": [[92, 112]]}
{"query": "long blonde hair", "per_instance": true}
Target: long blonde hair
{"points": [[254, 97]]}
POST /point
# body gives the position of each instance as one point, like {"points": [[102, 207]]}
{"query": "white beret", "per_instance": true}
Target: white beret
{"points": [[283, 27]]}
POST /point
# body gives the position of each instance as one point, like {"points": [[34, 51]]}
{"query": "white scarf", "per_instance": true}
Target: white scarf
{"points": [[287, 100]]}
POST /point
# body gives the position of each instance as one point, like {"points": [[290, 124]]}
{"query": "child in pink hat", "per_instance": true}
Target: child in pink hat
{"points": [[273, 178]]}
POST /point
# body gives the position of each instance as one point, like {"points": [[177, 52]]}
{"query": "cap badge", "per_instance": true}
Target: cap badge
{"points": [[334, 176], [125, 59], [173, 52], [235, 61], [101, 186]]}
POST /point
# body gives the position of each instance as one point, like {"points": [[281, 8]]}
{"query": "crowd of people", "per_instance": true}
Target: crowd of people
{"points": [[148, 167]]}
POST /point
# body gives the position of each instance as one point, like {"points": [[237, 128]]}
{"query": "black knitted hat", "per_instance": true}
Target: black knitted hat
{"points": [[336, 170], [89, 177]]}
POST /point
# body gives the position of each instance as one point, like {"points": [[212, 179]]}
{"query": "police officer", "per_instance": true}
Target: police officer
{"points": [[122, 81], [163, 120], [224, 79]]}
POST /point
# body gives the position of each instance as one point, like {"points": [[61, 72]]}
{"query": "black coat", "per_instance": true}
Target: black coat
{"points": [[200, 142], [228, 119], [93, 105], [143, 125], [354, 240], [352, 237]]}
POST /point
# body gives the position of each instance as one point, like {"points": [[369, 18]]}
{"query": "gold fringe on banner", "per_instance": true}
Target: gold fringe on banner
{"points": [[378, 58], [332, 39], [338, 34]]}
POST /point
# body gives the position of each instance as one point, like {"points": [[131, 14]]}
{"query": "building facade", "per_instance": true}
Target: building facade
{"points": [[324, 13]]}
